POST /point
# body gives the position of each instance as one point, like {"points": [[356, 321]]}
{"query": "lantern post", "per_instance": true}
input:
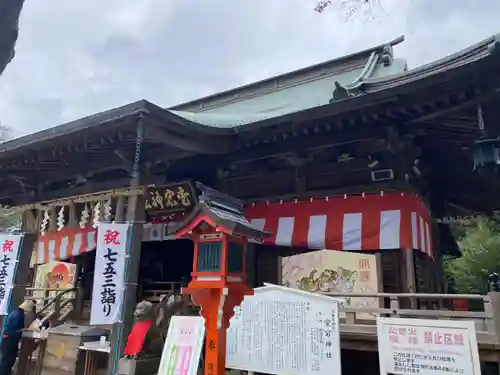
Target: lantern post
{"points": [[220, 233]]}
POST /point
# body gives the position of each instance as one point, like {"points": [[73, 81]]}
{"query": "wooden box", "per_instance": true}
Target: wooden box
{"points": [[62, 356]]}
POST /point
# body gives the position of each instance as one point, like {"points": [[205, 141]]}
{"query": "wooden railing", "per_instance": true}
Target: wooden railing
{"points": [[362, 320], [55, 309], [356, 322], [153, 291]]}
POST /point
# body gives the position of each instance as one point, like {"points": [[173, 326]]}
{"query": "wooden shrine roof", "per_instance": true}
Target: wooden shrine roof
{"points": [[433, 106]]}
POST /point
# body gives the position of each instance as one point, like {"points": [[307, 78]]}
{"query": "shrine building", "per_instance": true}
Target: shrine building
{"points": [[357, 154]]}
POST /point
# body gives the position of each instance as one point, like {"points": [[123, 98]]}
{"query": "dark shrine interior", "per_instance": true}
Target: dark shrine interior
{"points": [[166, 261]]}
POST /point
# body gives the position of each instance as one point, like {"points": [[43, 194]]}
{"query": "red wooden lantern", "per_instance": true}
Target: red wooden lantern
{"points": [[220, 233]]}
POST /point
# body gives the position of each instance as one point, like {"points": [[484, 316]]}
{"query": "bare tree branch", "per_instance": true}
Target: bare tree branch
{"points": [[5, 133], [350, 8]]}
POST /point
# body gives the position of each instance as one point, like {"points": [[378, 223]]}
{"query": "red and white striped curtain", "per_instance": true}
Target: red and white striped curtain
{"points": [[369, 222], [355, 223]]}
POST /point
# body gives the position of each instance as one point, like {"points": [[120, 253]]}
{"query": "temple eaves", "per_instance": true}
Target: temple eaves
{"points": [[375, 71]]}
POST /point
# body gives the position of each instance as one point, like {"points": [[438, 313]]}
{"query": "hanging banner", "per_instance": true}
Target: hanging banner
{"points": [[427, 347], [9, 249], [109, 273], [182, 350]]}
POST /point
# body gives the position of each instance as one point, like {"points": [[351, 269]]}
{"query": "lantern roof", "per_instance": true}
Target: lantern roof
{"points": [[221, 211]]}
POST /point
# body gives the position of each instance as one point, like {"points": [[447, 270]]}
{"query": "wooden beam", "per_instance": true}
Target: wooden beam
{"points": [[303, 143], [455, 108], [212, 145]]}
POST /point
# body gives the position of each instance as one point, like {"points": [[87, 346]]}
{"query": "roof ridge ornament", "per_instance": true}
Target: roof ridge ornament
{"points": [[387, 55], [339, 93]]}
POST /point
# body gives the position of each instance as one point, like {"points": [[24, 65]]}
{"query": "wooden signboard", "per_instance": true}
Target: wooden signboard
{"points": [[175, 197]]}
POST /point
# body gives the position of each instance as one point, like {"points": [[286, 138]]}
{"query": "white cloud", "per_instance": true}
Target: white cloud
{"points": [[78, 57]]}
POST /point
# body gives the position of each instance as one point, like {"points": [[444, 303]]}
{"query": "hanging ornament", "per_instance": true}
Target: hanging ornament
{"points": [[60, 219], [486, 150], [45, 222], [97, 215], [85, 216], [107, 210]]}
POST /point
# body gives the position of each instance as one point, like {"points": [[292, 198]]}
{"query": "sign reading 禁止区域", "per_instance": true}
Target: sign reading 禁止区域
{"points": [[109, 273], [170, 198], [427, 347], [9, 249]]}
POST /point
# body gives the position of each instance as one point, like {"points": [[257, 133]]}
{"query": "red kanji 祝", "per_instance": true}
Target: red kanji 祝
{"points": [[8, 246], [111, 237]]}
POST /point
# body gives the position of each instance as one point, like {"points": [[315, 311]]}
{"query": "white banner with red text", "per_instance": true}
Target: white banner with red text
{"points": [[109, 273], [9, 250]]}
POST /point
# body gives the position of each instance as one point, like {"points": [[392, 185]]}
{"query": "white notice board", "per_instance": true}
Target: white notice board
{"points": [[285, 331], [182, 350], [427, 347]]}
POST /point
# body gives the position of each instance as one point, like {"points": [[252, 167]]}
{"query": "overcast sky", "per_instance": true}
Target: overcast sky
{"points": [[78, 57]]}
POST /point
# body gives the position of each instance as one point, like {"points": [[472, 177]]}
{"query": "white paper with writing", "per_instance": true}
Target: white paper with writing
{"points": [[285, 331], [427, 347], [182, 350]]}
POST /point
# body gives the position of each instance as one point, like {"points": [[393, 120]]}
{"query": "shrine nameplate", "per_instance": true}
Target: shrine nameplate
{"points": [[285, 331], [174, 197]]}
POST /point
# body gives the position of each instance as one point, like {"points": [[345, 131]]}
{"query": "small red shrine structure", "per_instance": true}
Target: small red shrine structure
{"points": [[220, 233]]}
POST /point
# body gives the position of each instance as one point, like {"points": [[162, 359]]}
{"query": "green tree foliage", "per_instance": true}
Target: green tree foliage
{"points": [[480, 246]]}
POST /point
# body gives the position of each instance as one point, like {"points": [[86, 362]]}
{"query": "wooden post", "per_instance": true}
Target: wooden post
{"points": [[279, 270], [495, 309], [380, 279], [135, 215], [250, 262], [410, 275]]}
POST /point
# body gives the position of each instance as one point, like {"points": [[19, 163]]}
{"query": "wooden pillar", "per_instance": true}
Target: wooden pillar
{"points": [[410, 275], [380, 278], [438, 260], [136, 216], [251, 264]]}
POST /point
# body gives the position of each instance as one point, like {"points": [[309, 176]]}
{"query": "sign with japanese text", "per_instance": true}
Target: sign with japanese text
{"points": [[170, 198], [285, 331], [109, 273], [9, 249], [182, 350], [427, 347]]}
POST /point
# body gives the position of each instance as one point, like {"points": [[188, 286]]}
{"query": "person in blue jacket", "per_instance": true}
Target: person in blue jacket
{"points": [[14, 324]]}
